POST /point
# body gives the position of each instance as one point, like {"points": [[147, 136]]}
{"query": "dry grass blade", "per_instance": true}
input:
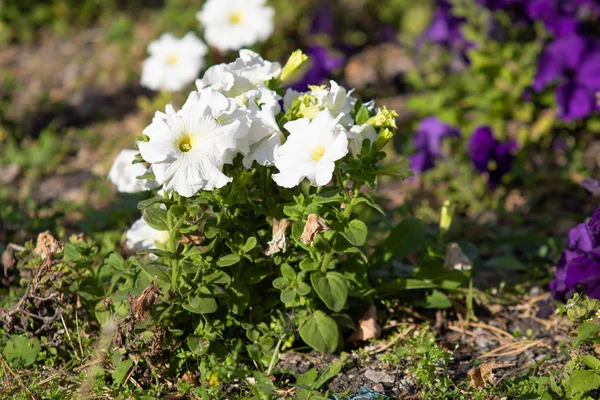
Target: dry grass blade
{"points": [[514, 349]]}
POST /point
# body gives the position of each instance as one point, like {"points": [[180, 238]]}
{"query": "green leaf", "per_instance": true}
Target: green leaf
{"points": [[228, 260], [406, 238], [399, 169], [583, 381], [250, 244], [120, 373], [303, 289], [152, 200], [329, 373], [288, 272], [161, 272], [437, 299], [308, 264], [201, 304], [591, 361], [21, 351], [216, 277], [199, 346], [588, 330], [156, 218], [331, 288], [393, 287], [320, 332], [239, 295], [362, 115], [506, 263], [356, 232], [280, 283], [288, 296]]}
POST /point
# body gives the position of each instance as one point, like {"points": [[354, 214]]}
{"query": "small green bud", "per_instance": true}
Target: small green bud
{"points": [[384, 119], [446, 216], [293, 65], [385, 135]]}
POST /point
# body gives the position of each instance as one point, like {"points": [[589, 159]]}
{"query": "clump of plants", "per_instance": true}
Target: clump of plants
{"points": [[252, 235]]}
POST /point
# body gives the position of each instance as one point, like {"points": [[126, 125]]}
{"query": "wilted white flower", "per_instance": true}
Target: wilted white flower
{"points": [[173, 63], [245, 81], [188, 148], [123, 174], [336, 99], [358, 134], [142, 236], [456, 259], [233, 24], [311, 150]]}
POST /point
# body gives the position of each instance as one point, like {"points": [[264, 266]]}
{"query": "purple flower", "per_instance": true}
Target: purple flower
{"points": [[428, 142], [323, 21], [323, 63], [578, 268], [561, 17], [501, 4], [592, 186], [574, 62], [444, 29], [490, 155]]}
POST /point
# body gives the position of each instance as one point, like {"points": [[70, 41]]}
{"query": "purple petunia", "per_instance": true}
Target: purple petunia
{"points": [[323, 63], [561, 17], [574, 62], [578, 268], [445, 29], [428, 142], [490, 155], [592, 186]]}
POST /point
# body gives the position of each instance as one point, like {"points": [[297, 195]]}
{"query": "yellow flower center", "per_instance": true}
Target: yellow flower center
{"points": [[235, 18], [185, 143], [317, 153], [172, 60]]}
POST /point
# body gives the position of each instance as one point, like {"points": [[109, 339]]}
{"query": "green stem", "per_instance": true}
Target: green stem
{"points": [[274, 357], [173, 248]]}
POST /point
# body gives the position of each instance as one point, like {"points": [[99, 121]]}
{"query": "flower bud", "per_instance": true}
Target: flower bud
{"points": [[293, 65], [385, 135], [384, 118]]}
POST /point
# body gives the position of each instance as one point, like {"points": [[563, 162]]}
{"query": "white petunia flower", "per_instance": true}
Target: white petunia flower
{"points": [[245, 81], [188, 148], [142, 236], [311, 150], [233, 24], [358, 134], [173, 63], [248, 72], [123, 174], [336, 99]]}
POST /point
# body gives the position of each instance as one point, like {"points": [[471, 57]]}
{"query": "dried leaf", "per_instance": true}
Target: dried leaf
{"points": [[142, 304], [368, 328], [456, 259], [47, 245], [481, 376], [195, 238], [314, 225], [278, 242]]}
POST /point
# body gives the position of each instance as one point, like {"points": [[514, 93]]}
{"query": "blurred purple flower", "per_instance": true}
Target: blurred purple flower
{"points": [[501, 4], [323, 62], [490, 155], [323, 21], [561, 17], [428, 142], [592, 186], [445, 28], [579, 265], [573, 61]]}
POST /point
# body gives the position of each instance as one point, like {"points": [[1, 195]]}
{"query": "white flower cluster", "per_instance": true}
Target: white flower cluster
{"points": [[235, 112], [228, 25]]}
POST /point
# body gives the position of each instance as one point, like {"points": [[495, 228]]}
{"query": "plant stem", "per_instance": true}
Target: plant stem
{"points": [[275, 356], [173, 248]]}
